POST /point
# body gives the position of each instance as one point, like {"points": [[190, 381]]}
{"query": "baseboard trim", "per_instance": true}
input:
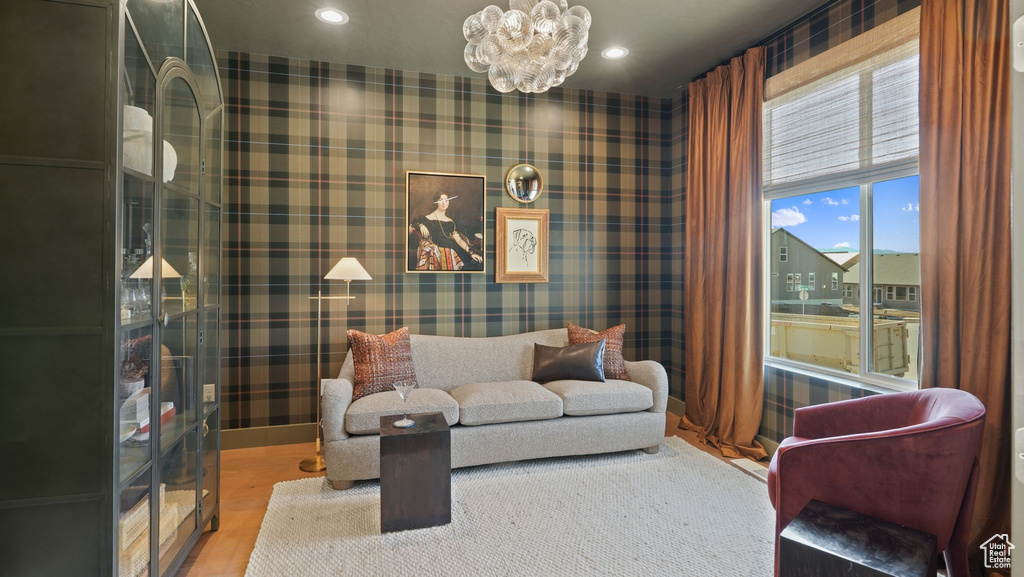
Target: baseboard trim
{"points": [[769, 445], [267, 436], [676, 406]]}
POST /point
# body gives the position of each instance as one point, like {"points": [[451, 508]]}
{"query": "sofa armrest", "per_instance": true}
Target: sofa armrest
{"points": [[653, 376], [337, 398]]}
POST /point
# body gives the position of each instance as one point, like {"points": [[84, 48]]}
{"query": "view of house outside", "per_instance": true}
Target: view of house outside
{"points": [[815, 278]]}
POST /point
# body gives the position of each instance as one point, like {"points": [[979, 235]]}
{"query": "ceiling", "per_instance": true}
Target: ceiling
{"points": [[669, 41]]}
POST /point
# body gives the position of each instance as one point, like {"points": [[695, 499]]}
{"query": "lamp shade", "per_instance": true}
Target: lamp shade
{"points": [[348, 268], [145, 270]]}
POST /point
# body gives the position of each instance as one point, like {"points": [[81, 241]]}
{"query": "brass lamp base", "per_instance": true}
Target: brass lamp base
{"points": [[314, 464]]}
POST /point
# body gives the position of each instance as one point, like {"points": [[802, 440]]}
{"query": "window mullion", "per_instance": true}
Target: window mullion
{"points": [[867, 249]]}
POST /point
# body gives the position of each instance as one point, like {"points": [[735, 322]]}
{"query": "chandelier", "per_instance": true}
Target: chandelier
{"points": [[533, 46]]}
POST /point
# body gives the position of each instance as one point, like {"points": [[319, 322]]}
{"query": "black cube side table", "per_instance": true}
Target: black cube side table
{"points": [[415, 473], [824, 540]]}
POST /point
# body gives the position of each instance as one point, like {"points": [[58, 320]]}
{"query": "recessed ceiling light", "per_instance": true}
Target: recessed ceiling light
{"points": [[331, 16], [613, 53]]}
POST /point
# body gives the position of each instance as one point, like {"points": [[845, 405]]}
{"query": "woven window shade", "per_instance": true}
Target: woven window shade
{"points": [[847, 115]]}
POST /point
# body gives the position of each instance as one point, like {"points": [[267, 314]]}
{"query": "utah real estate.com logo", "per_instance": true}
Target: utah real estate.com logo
{"points": [[997, 551]]}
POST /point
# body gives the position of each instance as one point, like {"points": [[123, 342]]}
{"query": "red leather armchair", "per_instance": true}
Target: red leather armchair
{"points": [[909, 458]]}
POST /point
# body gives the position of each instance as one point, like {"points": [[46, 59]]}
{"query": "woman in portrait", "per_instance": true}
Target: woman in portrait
{"points": [[441, 245]]}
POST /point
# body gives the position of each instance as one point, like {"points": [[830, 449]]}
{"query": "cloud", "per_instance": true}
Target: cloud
{"points": [[842, 245], [911, 207], [808, 202], [844, 201], [829, 201], [851, 217], [787, 217]]}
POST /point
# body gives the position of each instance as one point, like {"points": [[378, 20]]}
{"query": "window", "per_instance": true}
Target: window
{"points": [[783, 254], [840, 150], [810, 281]]}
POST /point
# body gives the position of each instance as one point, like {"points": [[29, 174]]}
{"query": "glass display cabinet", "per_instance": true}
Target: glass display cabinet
{"points": [[168, 321], [110, 218]]}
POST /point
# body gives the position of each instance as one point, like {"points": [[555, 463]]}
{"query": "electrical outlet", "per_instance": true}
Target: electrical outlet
{"points": [[210, 393]]}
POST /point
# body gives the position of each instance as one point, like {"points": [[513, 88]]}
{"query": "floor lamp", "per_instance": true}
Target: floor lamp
{"points": [[348, 269]]}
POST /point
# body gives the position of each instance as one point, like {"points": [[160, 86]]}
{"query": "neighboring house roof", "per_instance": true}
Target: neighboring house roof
{"points": [[783, 231], [846, 259], [890, 269]]}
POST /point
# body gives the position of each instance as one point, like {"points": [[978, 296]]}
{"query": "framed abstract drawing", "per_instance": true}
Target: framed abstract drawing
{"points": [[521, 245], [444, 216]]}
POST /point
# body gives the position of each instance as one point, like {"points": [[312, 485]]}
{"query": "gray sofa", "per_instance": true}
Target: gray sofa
{"points": [[496, 413]]}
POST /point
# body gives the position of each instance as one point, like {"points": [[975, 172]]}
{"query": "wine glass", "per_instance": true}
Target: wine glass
{"points": [[403, 388]]}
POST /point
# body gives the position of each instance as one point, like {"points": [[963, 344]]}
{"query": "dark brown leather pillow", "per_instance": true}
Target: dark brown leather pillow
{"points": [[380, 361], [577, 362], [614, 364]]}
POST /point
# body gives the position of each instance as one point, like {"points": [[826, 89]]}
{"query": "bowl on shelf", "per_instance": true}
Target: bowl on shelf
{"points": [[127, 431]]}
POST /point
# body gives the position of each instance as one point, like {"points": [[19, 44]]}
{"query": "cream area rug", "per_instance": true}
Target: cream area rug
{"points": [[678, 512]]}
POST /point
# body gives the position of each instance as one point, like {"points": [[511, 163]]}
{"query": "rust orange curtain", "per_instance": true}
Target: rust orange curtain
{"points": [[965, 227], [723, 305]]}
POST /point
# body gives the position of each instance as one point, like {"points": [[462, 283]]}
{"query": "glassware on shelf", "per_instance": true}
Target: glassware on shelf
{"points": [[188, 283], [126, 301], [403, 388]]}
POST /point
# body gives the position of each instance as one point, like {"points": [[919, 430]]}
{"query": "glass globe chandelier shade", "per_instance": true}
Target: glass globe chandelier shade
{"points": [[532, 47]]}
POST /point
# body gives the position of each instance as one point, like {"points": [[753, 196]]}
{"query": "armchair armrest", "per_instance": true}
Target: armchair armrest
{"points": [[653, 376], [852, 417], [337, 398]]}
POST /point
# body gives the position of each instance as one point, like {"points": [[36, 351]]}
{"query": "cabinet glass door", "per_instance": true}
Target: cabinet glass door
{"points": [[179, 465], [211, 465], [178, 499], [133, 542]]}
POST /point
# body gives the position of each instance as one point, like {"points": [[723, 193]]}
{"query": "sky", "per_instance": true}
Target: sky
{"points": [[832, 219]]}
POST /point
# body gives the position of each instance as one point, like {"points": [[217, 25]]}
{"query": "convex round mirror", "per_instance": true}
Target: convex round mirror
{"points": [[524, 183]]}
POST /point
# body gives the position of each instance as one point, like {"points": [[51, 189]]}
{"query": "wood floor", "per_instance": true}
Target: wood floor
{"points": [[247, 480]]}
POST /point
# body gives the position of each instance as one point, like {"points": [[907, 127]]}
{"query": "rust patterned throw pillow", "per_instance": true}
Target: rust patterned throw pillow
{"points": [[614, 364], [380, 361]]}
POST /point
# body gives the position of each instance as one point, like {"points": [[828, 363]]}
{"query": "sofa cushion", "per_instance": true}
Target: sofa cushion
{"points": [[614, 364], [380, 361], [505, 402], [363, 416], [581, 398]]}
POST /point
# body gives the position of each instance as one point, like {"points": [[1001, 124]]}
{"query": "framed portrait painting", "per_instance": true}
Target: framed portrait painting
{"points": [[521, 245], [444, 215]]}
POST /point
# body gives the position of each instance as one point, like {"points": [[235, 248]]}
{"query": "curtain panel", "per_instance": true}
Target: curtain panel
{"points": [[965, 227], [724, 264]]}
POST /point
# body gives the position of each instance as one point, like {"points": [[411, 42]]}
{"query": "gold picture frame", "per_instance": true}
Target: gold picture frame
{"points": [[521, 245], [444, 221]]}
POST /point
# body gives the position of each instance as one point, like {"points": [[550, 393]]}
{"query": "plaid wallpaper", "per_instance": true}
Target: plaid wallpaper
{"points": [[825, 28], [315, 170], [829, 26], [316, 161], [678, 139]]}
